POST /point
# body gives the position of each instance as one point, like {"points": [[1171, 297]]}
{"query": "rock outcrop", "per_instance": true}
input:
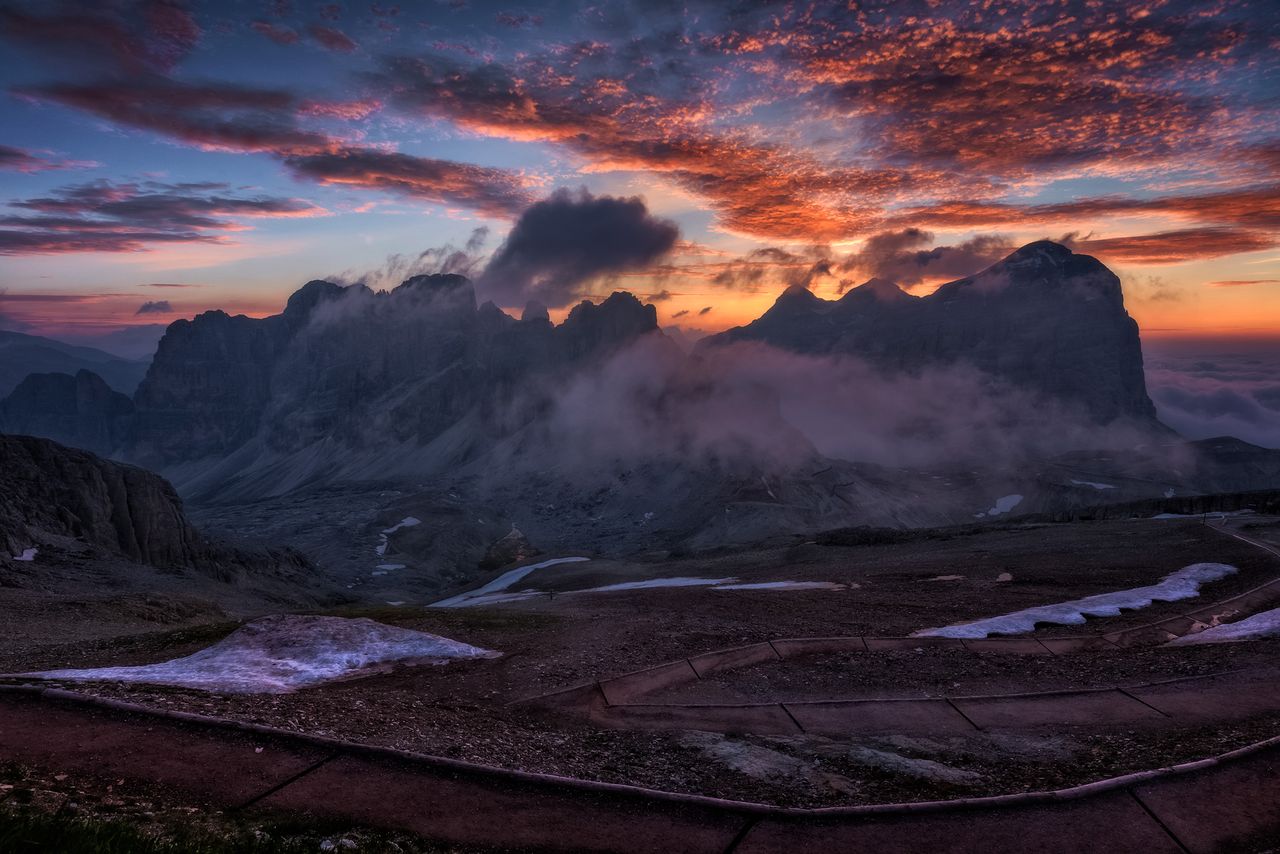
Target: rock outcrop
{"points": [[81, 411], [52, 496], [1044, 318]]}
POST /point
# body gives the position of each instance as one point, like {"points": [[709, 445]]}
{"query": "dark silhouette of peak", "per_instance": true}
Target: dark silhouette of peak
{"points": [[1039, 266], [1044, 318], [535, 311], [22, 354], [796, 300], [619, 319], [310, 295], [81, 411], [880, 290]]}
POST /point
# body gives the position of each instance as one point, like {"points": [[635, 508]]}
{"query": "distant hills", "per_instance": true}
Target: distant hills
{"points": [[22, 354]]}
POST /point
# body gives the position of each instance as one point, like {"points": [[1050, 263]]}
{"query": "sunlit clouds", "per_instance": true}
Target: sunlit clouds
{"points": [[774, 145]]}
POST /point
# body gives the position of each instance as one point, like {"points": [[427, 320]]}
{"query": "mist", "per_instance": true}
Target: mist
{"points": [[755, 407]]}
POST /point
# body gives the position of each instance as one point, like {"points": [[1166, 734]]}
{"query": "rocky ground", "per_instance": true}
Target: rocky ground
{"points": [[43, 810], [463, 710]]}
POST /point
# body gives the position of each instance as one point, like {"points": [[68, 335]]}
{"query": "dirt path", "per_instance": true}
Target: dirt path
{"points": [[1205, 806]]}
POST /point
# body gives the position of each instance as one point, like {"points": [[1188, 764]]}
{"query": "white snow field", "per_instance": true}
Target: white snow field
{"points": [[27, 554], [652, 583], [497, 591], [1003, 504], [494, 591], [1265, 624], [1183, 584], [406, 522], [279, 654]]}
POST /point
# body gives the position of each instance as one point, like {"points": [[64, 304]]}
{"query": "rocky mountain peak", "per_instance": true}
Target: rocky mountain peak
{"points": [[535, 311], [880, 290], [307, 297], [1044, 317], [798, 298]]}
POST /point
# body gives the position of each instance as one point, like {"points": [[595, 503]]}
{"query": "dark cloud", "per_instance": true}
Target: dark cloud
{"points": [[518, 20], [1173, 247], [104, 217], [660, 296], [279, 35], [1246, 208], [266, 120], [127, 37], [220, 116], [560, 245], [1241, 283], [904, 257], [155, 307], [495, 192], [706, 310], [331, 38], [20, 160]]}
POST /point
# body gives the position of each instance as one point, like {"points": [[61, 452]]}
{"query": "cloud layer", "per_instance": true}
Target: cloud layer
{"points": [[101, 216]]}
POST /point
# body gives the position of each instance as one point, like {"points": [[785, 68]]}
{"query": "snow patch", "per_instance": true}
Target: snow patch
{"points": [[1098, 486], [1004, 504], [406, 522], [783, 585], [27, 555], [1265, 624], [946, 578], [486, 595], [658, 582], [276, 655], [1183, 584]]}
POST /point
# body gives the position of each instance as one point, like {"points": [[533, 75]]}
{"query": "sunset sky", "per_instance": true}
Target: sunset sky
{"points": [[158, 159]]}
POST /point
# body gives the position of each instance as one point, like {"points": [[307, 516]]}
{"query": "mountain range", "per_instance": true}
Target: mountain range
{"points": [[797, 420], [22, 355]]}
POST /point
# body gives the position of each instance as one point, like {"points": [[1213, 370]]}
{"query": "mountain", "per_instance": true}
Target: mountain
{"points": [[22, 354], [1045, 319], [81, 411], [348, 383]]}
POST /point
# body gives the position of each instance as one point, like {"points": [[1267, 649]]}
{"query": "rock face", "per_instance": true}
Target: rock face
{"points": [[1044, 318], [22, 354], [420, 366], [46, 488], [81, 411], [52, 495]]}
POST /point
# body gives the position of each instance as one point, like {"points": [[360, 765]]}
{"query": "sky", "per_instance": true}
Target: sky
{"points": [[162, 158]]}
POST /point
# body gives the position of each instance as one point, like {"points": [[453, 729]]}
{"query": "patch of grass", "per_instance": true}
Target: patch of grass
{"points": [[23, 832], [30, 831]]}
